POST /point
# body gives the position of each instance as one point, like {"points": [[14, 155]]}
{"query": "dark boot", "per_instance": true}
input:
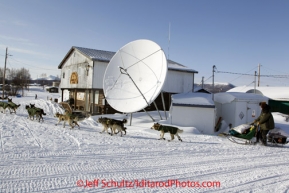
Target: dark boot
{"points": [[257, 136], [264, 137], [264, 142]]}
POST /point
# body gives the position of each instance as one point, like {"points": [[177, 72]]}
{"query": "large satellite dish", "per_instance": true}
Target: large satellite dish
{"points": [[135, 76]]}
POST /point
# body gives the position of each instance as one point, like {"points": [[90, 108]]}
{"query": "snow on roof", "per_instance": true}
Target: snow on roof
{"points": [[179, 67], [192, 98], [101, 55], [276, 93], [228, 97]]}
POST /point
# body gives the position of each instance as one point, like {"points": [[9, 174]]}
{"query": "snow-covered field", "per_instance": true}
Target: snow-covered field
{"points": [[42, 157]]}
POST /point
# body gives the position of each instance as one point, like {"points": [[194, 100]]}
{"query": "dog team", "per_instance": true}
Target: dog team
{"points": [[35, 112], [116, 126]]}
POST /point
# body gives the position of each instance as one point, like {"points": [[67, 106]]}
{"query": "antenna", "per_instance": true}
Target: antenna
{"points": [[259, 74], [213, 82], [255, 82], [169, 40], [3, 86]]}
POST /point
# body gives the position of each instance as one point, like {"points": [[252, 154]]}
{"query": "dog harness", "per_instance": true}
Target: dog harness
{"points": [[170, 129]]}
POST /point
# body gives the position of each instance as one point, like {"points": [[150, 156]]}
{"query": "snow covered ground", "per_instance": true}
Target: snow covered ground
{"points": [[42, 157]]}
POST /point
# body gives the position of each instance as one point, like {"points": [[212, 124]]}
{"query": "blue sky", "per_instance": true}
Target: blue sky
{"points": [[235, 36]]}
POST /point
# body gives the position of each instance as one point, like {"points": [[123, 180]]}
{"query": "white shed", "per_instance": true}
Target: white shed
{"points": [[193, 110], [238, 108]]}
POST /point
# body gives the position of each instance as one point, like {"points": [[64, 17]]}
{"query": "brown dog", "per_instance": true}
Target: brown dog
{"points": [[67, 118]]}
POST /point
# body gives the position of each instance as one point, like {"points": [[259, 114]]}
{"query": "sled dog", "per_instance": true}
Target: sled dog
{"points": [[4, 106], [37, 108], [167, 129], [33, 112], [8, 105], [104, 122], [66, 117], [12, 106], [117, 125], [39, 111], [113, 124]]}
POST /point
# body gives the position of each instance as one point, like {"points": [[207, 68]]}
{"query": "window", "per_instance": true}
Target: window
{"points": [[63, 75]]}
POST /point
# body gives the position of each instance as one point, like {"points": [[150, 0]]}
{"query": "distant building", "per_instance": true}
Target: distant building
{"points": [[53, 89], [218, 87], [82, 72], [278, 96]]}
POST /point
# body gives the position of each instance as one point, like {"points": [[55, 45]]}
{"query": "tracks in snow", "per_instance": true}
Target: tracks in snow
{"points": [[37, 141], [41, 157], [2, 146], [43, 135], [4, 121]]}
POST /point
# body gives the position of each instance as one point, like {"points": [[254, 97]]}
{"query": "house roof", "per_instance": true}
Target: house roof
{"points": [[228, 97], [275, 93], [193, 99], [105, 56]]}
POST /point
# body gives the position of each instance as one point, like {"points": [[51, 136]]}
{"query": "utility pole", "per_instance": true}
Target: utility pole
{"points": [[202, 82], [259, 75], [213, 82], [255, 82], [3, 86]]}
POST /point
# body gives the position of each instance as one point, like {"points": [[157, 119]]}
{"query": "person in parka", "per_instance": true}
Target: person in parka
{"points": [[266, 123]]}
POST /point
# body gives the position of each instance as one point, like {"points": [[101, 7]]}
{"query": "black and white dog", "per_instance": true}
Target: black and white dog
{"points": [[167, 129], [113, 124]]}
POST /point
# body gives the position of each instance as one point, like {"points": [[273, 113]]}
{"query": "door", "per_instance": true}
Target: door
{"points": [[252, 112]]}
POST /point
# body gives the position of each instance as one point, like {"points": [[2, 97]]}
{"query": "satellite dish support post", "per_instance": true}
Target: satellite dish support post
{"points": [[123, 71]]}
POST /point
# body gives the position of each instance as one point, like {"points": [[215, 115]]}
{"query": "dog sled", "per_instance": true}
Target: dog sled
{"points": [[243, 134], [276, 139]]}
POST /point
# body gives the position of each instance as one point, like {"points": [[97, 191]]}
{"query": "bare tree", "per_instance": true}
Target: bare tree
{"points": [[19, 80]]}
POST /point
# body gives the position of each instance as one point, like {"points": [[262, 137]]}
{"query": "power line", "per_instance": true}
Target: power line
{"points": [[242, 75], [272, 76], [264, 67], [31, 65]]}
